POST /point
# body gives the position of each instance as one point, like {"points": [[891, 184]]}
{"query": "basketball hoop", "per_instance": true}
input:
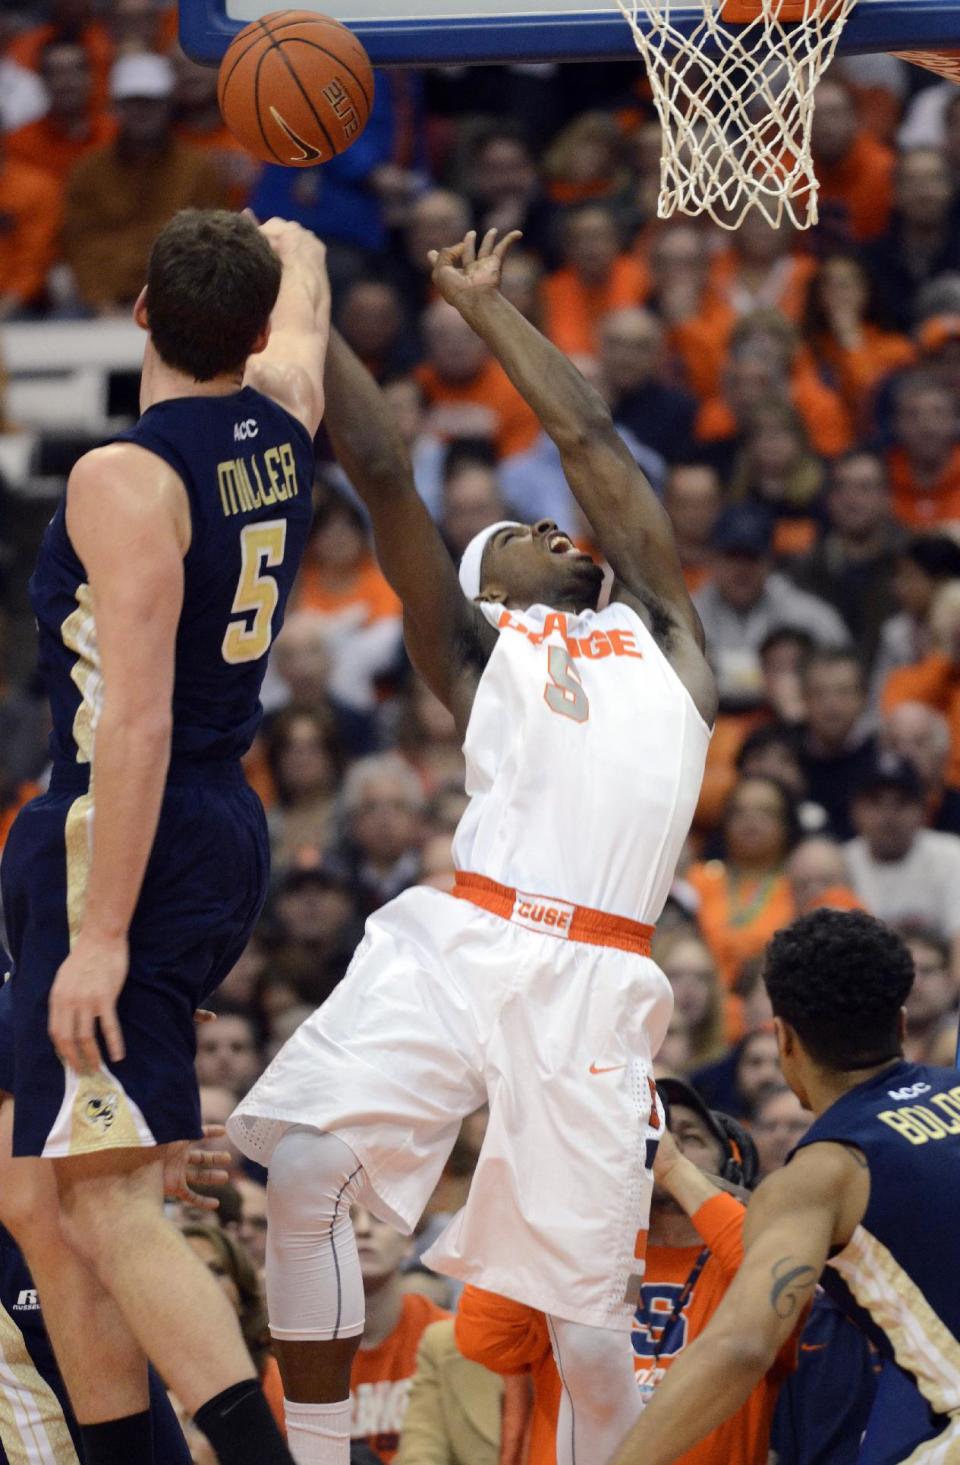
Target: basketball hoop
{"points": [[735, 101]]}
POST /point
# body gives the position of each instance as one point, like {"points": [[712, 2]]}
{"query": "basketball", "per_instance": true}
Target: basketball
{"points": [[295, 88]]}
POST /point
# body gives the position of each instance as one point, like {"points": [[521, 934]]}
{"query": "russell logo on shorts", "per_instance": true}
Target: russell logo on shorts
{"points": [[27, 1301]]}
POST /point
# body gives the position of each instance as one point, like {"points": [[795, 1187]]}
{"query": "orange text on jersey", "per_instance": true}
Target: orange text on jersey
{"points": [[593, 647]]}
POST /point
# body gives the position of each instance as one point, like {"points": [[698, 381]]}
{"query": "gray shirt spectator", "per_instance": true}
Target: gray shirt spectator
{"points": [[905, 874], [747, 599]]}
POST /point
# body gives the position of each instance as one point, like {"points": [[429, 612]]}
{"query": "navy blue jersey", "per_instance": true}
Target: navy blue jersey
{"points": [[247, 467], [897, 1277]]}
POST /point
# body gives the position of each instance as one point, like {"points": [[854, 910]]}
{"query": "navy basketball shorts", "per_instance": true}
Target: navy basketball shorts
{"points": [[202, 894]]}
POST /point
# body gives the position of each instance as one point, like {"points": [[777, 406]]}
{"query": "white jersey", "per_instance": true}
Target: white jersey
{"points": [[585, 756]]}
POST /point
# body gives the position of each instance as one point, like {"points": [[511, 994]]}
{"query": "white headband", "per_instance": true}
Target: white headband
{"points": [[472, 557]]}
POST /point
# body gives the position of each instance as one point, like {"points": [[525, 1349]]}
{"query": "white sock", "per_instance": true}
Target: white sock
{"points": [[318, 1434]]}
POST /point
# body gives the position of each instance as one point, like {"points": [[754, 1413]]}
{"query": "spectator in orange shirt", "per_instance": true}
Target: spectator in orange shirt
{"points": [[745, 897], [777, 469], [198, 121], [72, 20], [854, 170], [924, 464], [693, 499], [596, 278], [120, 196], [760, 270], [341, 582], [693, 1249], [697, 318], [935, 680], [586, 160], [843, 337], [30, 211], [71, 128], [469, 393], [386, 1361], [768, 338]]}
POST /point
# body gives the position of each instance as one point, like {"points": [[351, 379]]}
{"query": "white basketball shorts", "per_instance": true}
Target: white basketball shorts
{"points": [[445, 1007]]}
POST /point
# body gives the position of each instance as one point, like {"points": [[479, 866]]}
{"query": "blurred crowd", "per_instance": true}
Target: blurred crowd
{"points": [[795, 399]]}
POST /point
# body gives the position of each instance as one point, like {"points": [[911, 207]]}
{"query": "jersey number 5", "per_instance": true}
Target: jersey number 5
{"points": [[564, 691], [261, 545]]}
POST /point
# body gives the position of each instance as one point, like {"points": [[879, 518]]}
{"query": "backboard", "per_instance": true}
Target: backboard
{"points": [[451, 32]]}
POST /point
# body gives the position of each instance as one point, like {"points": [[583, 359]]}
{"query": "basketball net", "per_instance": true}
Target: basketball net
{"points": [[735, 101]]}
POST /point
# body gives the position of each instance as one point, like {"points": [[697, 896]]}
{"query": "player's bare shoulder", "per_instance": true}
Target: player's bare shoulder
{"points": [[679, 641], [124, 484]]}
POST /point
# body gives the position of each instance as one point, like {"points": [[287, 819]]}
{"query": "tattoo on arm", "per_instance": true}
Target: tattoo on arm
{"points": [[790, 1282]]}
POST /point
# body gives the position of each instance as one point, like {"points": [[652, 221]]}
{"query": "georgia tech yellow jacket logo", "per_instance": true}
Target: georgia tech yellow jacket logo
{"points": [[100, 1112]]}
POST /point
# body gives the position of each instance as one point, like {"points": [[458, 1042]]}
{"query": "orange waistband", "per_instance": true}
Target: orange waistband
{"points": [[554, 917]]}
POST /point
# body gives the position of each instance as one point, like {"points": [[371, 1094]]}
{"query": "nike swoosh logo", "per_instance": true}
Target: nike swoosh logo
{"points": [[612, 1069], [812, 1347], [308, 153]]}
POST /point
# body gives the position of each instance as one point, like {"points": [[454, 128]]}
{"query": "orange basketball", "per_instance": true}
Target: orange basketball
{"points": [[295, 88]]}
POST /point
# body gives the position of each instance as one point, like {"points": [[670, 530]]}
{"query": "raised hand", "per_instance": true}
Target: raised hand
{"points": [[464, 273], [186, 1166]]}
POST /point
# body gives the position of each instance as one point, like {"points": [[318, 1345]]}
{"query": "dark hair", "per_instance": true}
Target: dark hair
{"points": [[467, 452], [278, 737], [834, 656], [791, 819], [816, 322], [779, 634], [853, 455], [331, 504], [840, 978], [226, 1007], [212, 282], [937, 555], [922, 379], [778, 735]]}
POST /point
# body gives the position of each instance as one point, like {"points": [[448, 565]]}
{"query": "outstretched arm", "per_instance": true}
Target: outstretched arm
{"points": [[444, 632], [290, 367], [632, 527], [792, 1222]]}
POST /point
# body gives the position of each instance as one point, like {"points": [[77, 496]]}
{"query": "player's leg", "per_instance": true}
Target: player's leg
{"points": [[600, 1400], [107, 1385], [370, 1091], [111, 1206], [314, 1289]]}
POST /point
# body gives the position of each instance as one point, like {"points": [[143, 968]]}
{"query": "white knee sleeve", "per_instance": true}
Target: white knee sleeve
{"points": [[599, 1400], [314, 1287]]}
